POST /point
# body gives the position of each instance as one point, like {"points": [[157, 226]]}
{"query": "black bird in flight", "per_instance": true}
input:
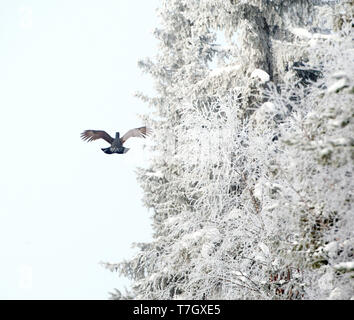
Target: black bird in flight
{"points": [[117, 143]]}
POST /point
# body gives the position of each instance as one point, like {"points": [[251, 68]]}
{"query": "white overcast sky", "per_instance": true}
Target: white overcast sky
{"points": [[67, 66]]}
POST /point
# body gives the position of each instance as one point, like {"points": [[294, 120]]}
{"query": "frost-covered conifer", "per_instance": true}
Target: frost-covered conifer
{"points": [[251, 177]]}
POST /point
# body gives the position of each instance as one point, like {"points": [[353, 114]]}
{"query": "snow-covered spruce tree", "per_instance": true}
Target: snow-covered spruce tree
{"points": [[312, 185], [250, 194]]}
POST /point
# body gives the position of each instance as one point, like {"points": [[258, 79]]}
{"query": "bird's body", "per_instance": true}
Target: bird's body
{"points": [[117, 142], [116, 147]]}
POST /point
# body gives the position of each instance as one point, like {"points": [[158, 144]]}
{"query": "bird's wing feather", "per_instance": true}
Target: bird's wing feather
{"points": [[141, 132], [91, 135]]}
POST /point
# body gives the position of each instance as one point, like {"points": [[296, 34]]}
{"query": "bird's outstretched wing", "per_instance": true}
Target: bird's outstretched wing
{"points": [[137, 132], [90, 135]]}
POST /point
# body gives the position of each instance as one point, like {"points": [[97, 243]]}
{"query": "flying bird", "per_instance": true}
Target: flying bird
{"points": [[117, 142]]}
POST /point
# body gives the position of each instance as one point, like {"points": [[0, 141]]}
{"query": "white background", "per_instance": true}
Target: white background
{"points": [[67, 66]]}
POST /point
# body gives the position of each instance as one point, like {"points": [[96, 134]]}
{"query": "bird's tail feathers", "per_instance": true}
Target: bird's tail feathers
{"points": [[106, 150]]}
